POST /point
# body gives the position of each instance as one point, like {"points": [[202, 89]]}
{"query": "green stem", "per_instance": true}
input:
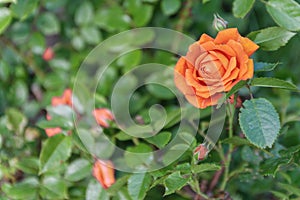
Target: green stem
{"points": [[230, 112], [197, 188]]}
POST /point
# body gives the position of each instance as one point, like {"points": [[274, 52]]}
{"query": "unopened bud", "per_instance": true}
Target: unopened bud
{"points": [[219, 23]]}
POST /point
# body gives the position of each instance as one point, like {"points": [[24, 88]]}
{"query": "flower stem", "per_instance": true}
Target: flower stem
{"points": [[230, 112]]}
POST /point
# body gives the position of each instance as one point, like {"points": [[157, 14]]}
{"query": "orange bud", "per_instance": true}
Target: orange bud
{"points": [[102, 115], [52, 131], [103, 171], [202, 151], [48, 54]]}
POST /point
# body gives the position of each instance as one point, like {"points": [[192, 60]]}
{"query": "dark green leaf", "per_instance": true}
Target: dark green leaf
{"points": [[138, 185], [160, 139], [55, 150], [170, 7], [205, 167], [286, 13], [16, 121], [259, 122], [78, 169], [263, 67], [22, 9], [174, 182], [273, 82], [242, 7], [48, 24], [272, 38]]}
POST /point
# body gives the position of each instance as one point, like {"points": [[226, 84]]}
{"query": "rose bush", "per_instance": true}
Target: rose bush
{"points": [[213, 66]]}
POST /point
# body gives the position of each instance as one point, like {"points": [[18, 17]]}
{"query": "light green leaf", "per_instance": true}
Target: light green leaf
{"points": [[53, 188], [84, 13], [264, 67], [205, 167], [175, 182], [15, 120], [23, 8], [259, 122], [78, 169], [94, 191], [5, 18], [242, 7], [138, 185], [286, 13], [55, 150], [29, 165], [91, 34], [160, 140], [290, 188], [48, 24], [272, 38], [273, 82], [120, 182], [27, 189], [8, 1], [135, 158], [170, 7]]}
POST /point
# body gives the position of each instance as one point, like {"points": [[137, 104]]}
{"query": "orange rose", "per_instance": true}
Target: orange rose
{"points": [[103, 171], [213, 66], [102, 115], [66, 99]]}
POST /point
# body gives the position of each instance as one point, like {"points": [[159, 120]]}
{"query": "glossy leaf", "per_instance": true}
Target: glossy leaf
{"points": [[259, 122], [78, 169], [264, 67], [160, 140], [286, 13], [53, 187], [5, 18], [242, 7], [55, 150], [138, 185], [94, 191], [170, 7], [205, 167], [272, 38], [273, 82], [174, 182], [22, 9]]}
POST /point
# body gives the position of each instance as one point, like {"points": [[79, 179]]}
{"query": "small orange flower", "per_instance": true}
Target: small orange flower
{"points": [[102, 115], [48, 54], [213, 66], [66, 99], [103, 171], [202, 151]]}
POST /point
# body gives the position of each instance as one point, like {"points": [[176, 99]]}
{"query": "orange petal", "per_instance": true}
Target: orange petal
{"points": [[227, 34], [250, 70], [52, 131], [205, 38], [249, 46]]}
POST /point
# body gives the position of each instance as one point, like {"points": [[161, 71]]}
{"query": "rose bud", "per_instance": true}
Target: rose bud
{"points": [[48, 54], [238, 101], [219, 23], [103, 171], [202, 151], [212, 66], [102, 115]]}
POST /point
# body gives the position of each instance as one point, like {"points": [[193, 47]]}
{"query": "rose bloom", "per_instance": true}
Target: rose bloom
{"points": [[213, 66], [65, 99], [103, 171], [102, 116]]}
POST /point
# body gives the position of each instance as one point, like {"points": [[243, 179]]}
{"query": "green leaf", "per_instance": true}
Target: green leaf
{"points": [[138, 185], [273, 82], [94, 191], [53, 188], [174, 182], [15, 120], [236, 141], [130, 60], [22, 9], [84, 13], [271, 165], [290, 188], [242, 7], [272, 38], [55, 150], [8, 1], [135, 158], [48, 24], [120, 182], [29, 165], [27, 189], [91, 34], [141, 13], [205, 167], [170, 7], [78, 169], [264, 67], [249, 156], [5, 18], [280, 195], [259, 122], [56, 122], [160, 140], [286, 13]]}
